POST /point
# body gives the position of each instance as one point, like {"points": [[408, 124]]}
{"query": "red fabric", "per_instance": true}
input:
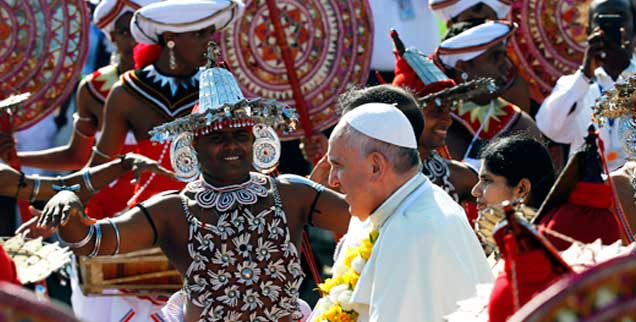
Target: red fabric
{"points": [[112, 199], [8, 271], [406, 77], [145, 54], [159, 183], [591, 194], [582, 223], [533, 273]]}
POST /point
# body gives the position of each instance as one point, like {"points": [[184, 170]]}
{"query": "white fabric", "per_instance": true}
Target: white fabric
{"points": [[386, 15], [451, 11], [556, 120], [426, 257], [109, 308], [40, 136], [485, 33], [181, 16], [382, 122], [105, 8]]}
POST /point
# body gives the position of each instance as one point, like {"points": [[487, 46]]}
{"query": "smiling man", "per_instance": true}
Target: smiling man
{"points": [[398, 264]]}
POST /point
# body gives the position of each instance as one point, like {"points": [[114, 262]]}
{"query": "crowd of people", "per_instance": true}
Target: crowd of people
{"points": [[420, 181]]}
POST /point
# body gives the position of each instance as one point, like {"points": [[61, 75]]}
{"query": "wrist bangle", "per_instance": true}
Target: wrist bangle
{"points": [[98, 241], [36, 187], [101, 154], [117, 236], [87, 181], [81, 243]]}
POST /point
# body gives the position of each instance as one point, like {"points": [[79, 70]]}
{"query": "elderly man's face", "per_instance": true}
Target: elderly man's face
{"points": [[225, 155], [350, 172]]}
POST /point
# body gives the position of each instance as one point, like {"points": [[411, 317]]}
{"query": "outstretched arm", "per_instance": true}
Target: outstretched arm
{"points": [[131, 231], [76, 152], [88, 180]]}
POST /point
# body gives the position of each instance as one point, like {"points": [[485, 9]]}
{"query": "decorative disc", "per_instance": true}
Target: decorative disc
{"points": [[550, 41], [183, 158], [43, 47], [605, 292], [266, 155], [330, 42], [262, 131]]}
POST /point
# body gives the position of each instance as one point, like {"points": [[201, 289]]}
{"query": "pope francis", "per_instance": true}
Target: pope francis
{"points": [[409, 254]]}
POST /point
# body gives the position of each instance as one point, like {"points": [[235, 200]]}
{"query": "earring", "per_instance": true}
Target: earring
{"points": [[173, 60], [183, 158], [464, 76], [266, 148]]}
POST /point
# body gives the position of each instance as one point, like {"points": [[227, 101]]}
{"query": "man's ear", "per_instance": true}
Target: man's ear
{"points": [[379, 165]]}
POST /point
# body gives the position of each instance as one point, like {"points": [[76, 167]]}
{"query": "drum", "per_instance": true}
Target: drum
{"points": [[141, 273]]}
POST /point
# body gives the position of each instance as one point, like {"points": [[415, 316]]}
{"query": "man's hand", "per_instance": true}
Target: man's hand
{"points": [[593, 53], [139, 164], [314, 148], [7, 146], [58, 211]]}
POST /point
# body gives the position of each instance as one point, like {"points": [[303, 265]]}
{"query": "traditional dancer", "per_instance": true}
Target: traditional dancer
{"points": [[236, 241], [480, 52]]}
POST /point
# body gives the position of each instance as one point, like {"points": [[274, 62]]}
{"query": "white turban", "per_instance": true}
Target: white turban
{"points": [[108, 11], [181, 16], [474, 41], [382, 122], [449, 9]]}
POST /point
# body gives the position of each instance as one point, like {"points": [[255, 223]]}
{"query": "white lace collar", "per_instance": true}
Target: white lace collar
{"points": [[224, 198]]}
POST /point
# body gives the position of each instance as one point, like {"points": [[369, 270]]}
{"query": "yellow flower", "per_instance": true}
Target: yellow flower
{"points": [[350, 254], [351, 278], [329, 283]]}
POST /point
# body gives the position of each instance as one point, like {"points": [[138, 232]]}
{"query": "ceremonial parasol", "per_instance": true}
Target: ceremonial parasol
{"points": [[303, 53], [43, 47], [550, 41]]}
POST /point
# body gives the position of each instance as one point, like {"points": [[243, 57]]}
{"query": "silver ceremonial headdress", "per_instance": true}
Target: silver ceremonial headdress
{"points": [[619, 103], [222, 105]]}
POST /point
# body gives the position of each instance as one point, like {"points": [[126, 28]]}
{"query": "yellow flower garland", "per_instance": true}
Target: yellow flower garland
{"points": [[349, 278]]}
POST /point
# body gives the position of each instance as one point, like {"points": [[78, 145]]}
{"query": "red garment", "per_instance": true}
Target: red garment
{"points": [[8, 271], [585, 217], [158, 183], [114, 197], [534, 274], [500, 120]]}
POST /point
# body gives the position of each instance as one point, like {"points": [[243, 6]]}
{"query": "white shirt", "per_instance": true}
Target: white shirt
{"points": [[426, 257], [421, 31], [557, 121]]}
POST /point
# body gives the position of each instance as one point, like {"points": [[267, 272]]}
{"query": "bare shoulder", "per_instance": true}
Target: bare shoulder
{"points": [[461, 168], [165, 203]]}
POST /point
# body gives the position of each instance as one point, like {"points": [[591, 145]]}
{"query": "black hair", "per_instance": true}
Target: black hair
{"points": [[518, 156], [388, 94], [476, 8], [632, 11]]}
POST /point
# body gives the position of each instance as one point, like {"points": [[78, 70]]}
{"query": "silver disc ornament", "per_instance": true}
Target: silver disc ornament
{"points": [[183, 158], [266, 155]]}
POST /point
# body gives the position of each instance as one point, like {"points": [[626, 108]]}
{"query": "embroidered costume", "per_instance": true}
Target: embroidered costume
{"points": [[244, 266]]}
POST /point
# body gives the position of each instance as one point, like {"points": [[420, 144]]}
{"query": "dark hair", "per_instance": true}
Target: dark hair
{"points": [[518, 156], [632, 11], [388, 94]]}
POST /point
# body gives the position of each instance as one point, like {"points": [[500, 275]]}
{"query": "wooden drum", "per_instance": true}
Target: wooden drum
{"points": [[146, 272]]}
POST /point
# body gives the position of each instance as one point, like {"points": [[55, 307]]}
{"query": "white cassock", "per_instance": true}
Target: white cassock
{"points": [[426, 257], [565, 115]]}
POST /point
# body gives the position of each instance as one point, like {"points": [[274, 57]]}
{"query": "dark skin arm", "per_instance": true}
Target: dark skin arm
{"points": [[76, 152], [331, 211], [115, 124], [100, 176], [625, 191], [463, 178], [64, 213]]}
